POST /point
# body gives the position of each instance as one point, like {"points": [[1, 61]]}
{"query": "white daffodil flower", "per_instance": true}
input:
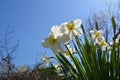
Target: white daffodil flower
{"points": [[101, 41], [47, 60], [72, 28], [96, 34], [55, 39], [104, 44], [72, 50]]}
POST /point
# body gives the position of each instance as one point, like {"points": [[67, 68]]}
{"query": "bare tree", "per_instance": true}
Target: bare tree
{"points": [[7, 49]]}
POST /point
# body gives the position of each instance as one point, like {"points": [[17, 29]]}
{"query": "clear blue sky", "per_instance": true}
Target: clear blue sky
{"points": [[32, 20]]}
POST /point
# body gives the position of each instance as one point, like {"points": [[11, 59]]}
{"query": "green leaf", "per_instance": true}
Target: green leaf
{"points": [[83, 29], [114, 25], [96, 24], [46, 71]]}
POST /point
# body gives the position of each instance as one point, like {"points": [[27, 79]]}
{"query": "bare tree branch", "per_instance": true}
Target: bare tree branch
{"points": [[6, 53]]}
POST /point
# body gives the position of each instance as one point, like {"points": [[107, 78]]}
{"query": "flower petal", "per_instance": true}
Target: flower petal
{"points": [[77, 23], [79, 31], [92, 32], [55, 30], [63, 38], [98, 40], [56, 48], [63, 26]]}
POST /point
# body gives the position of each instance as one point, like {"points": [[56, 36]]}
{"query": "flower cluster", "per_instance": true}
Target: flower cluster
{"points": [[90, 53], [97, 37], [62, 34]]}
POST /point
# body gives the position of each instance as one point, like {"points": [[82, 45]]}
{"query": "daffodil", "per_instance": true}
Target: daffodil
{"points": [[72, 28], [47, 60], [95, 34], [70, 50], [55, 39], [104, 45], [101, 41]]}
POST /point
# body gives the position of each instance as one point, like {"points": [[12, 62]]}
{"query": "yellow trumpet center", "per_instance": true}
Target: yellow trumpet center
{"points": [[52, 41], [103, 43], [70, 26], [97, 34]]}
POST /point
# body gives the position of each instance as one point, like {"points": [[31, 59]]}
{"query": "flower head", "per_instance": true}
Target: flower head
{"points": [[47, 60], [101, 41], [70, 50], [104, 44], [55, 39], [72, 28], [96, 34]]}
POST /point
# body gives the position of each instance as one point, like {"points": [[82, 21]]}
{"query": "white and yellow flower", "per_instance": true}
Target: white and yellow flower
{"points": [[96, 34], [70, 50], [54, 40], [46, 60], [72, 28], [101, 41]]}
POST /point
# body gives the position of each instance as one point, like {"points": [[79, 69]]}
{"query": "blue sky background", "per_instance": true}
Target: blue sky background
{"points": [[32, 20]]}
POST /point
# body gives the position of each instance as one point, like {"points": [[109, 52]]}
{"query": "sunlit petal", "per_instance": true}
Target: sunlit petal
{"points": [[63, 38], [63, 26], [77, 23], [55, 30], [79, 31], [57, 48]]}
